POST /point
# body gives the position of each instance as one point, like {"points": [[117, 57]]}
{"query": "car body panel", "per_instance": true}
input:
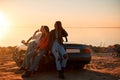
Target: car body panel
{"points": [[79, 56]]}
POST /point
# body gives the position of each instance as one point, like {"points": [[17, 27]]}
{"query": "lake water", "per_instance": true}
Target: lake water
{"points": [[89, 36], [95, 36]]}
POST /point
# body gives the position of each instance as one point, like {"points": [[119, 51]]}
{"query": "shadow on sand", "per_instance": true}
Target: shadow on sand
{"points": [[71, 74]]}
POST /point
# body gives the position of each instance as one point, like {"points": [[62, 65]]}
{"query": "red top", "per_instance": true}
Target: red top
{"points": [[43, 43]]}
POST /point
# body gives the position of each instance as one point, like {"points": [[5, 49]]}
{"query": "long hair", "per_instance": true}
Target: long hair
{"points": [[46, 29], [58, 25]]}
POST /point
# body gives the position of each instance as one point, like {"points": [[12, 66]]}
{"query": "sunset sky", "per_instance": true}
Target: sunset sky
{"points": [[95, 22]]}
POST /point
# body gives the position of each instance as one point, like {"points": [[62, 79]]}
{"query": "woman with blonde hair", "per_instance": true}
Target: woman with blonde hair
{"points": [[30, 52], [40, 50]]}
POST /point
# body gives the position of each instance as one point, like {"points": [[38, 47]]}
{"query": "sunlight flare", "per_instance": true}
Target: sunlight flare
{"points": [[4, 24]]}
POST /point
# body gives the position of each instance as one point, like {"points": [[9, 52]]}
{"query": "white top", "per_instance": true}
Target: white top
{"points": [[37, 37]]}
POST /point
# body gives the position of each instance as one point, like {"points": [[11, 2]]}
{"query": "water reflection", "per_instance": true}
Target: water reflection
{"points": [[95, 36]]}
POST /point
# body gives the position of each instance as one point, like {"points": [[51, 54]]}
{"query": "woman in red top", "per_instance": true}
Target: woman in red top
{"points": [[43, 43], [41, 49]]}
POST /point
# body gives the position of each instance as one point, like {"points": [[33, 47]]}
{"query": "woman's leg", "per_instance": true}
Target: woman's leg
{"points": [[37, 60], [25, 61], [64, 55], [30, 54], [56, 55]]}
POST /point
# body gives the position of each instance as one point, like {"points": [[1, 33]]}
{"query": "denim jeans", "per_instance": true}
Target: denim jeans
{"points": [[37, 60], [58, 51], [29, 55]]}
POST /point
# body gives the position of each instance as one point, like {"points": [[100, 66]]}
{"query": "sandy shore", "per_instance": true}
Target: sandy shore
{"points": [[100, 68]]}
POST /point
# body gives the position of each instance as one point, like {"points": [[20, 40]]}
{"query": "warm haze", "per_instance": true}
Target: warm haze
{"points": [[95, 22]]}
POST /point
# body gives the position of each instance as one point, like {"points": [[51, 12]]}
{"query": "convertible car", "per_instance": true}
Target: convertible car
{"points": [[79, 55]]}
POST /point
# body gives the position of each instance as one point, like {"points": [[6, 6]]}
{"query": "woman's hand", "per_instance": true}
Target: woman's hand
{"points": [[37, 30], [23, 41]]}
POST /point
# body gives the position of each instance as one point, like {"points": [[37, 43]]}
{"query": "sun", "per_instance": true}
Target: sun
{"points": [[4, 25]]}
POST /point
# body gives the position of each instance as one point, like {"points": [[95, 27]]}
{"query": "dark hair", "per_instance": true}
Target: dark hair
{"points": [[46, 28], [41, 28], [58, 25]]}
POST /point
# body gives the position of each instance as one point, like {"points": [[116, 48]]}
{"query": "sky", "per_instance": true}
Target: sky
{"points": [[92, 22]]}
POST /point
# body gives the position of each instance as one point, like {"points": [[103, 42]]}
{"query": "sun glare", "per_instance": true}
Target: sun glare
{"points": [[4, 25]]}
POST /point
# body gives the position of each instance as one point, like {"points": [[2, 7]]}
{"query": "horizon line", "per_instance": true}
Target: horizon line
{"points": [[92, 27]]}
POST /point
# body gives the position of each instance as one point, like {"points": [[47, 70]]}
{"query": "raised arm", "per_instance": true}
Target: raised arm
{"points": [[35, 33], [28, 40]]}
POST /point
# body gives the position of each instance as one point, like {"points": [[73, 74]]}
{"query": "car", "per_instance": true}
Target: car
{"points": [[79, 55]]}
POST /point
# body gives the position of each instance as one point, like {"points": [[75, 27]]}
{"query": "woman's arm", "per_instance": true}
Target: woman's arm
{"points": [[35, 33], [65, 34], [28, 40]]}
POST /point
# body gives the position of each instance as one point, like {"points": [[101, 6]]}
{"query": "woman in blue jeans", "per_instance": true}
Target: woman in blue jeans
{"points": [[56, 46], [41, 47], [30, 52]]}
